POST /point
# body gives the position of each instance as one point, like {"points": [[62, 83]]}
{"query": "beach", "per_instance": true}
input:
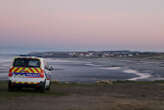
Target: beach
{"points": [[89, 70]]}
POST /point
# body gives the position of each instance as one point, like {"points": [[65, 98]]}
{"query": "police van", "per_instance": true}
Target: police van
{"points": [[28, 71]]}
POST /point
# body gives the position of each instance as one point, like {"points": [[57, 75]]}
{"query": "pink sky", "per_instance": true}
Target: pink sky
{"points": [[82, 24]]}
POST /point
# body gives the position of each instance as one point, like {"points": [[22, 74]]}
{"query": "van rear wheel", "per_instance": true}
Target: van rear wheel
{"points": [[10, 86], [42, 87]]}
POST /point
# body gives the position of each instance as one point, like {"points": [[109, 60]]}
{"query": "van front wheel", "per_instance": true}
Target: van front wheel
{"points": [[49, 87]]}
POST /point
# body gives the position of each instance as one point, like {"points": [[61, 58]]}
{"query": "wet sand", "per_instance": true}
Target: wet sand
{"points": [[91, 70]]}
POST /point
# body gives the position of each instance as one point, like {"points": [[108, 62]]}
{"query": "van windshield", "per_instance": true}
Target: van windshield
{"points": [[26, 62]]}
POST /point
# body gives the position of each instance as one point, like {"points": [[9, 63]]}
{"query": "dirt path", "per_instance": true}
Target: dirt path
{"points": [[119, 96]]}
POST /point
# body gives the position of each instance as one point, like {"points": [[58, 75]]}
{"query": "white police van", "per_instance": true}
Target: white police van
{"points": [[28, 71]]}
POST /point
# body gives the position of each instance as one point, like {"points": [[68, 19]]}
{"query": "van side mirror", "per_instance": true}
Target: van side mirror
{"points": [[50, 68]]}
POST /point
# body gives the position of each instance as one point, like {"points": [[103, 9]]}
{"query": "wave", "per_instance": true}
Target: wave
{"points": [[139, 74], [3, 74], [111, 68], [91, 64]]}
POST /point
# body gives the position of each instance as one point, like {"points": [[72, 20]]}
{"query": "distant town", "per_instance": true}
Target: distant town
{"points": [[94, 54]]}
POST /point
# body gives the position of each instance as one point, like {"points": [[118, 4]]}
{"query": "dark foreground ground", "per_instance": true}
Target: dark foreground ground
{"points": [[72, 96]]}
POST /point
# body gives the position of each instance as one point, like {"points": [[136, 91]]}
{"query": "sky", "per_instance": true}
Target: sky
{"points": [[82, 24]]}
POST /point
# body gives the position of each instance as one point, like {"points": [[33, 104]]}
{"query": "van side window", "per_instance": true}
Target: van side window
{"points": [[46, 65]]}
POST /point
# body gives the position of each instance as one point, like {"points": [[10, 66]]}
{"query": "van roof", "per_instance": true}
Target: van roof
{"points": [[33, 57]]}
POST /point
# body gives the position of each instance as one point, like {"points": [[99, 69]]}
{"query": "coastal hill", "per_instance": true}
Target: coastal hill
{"points": [[96, 54]]}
